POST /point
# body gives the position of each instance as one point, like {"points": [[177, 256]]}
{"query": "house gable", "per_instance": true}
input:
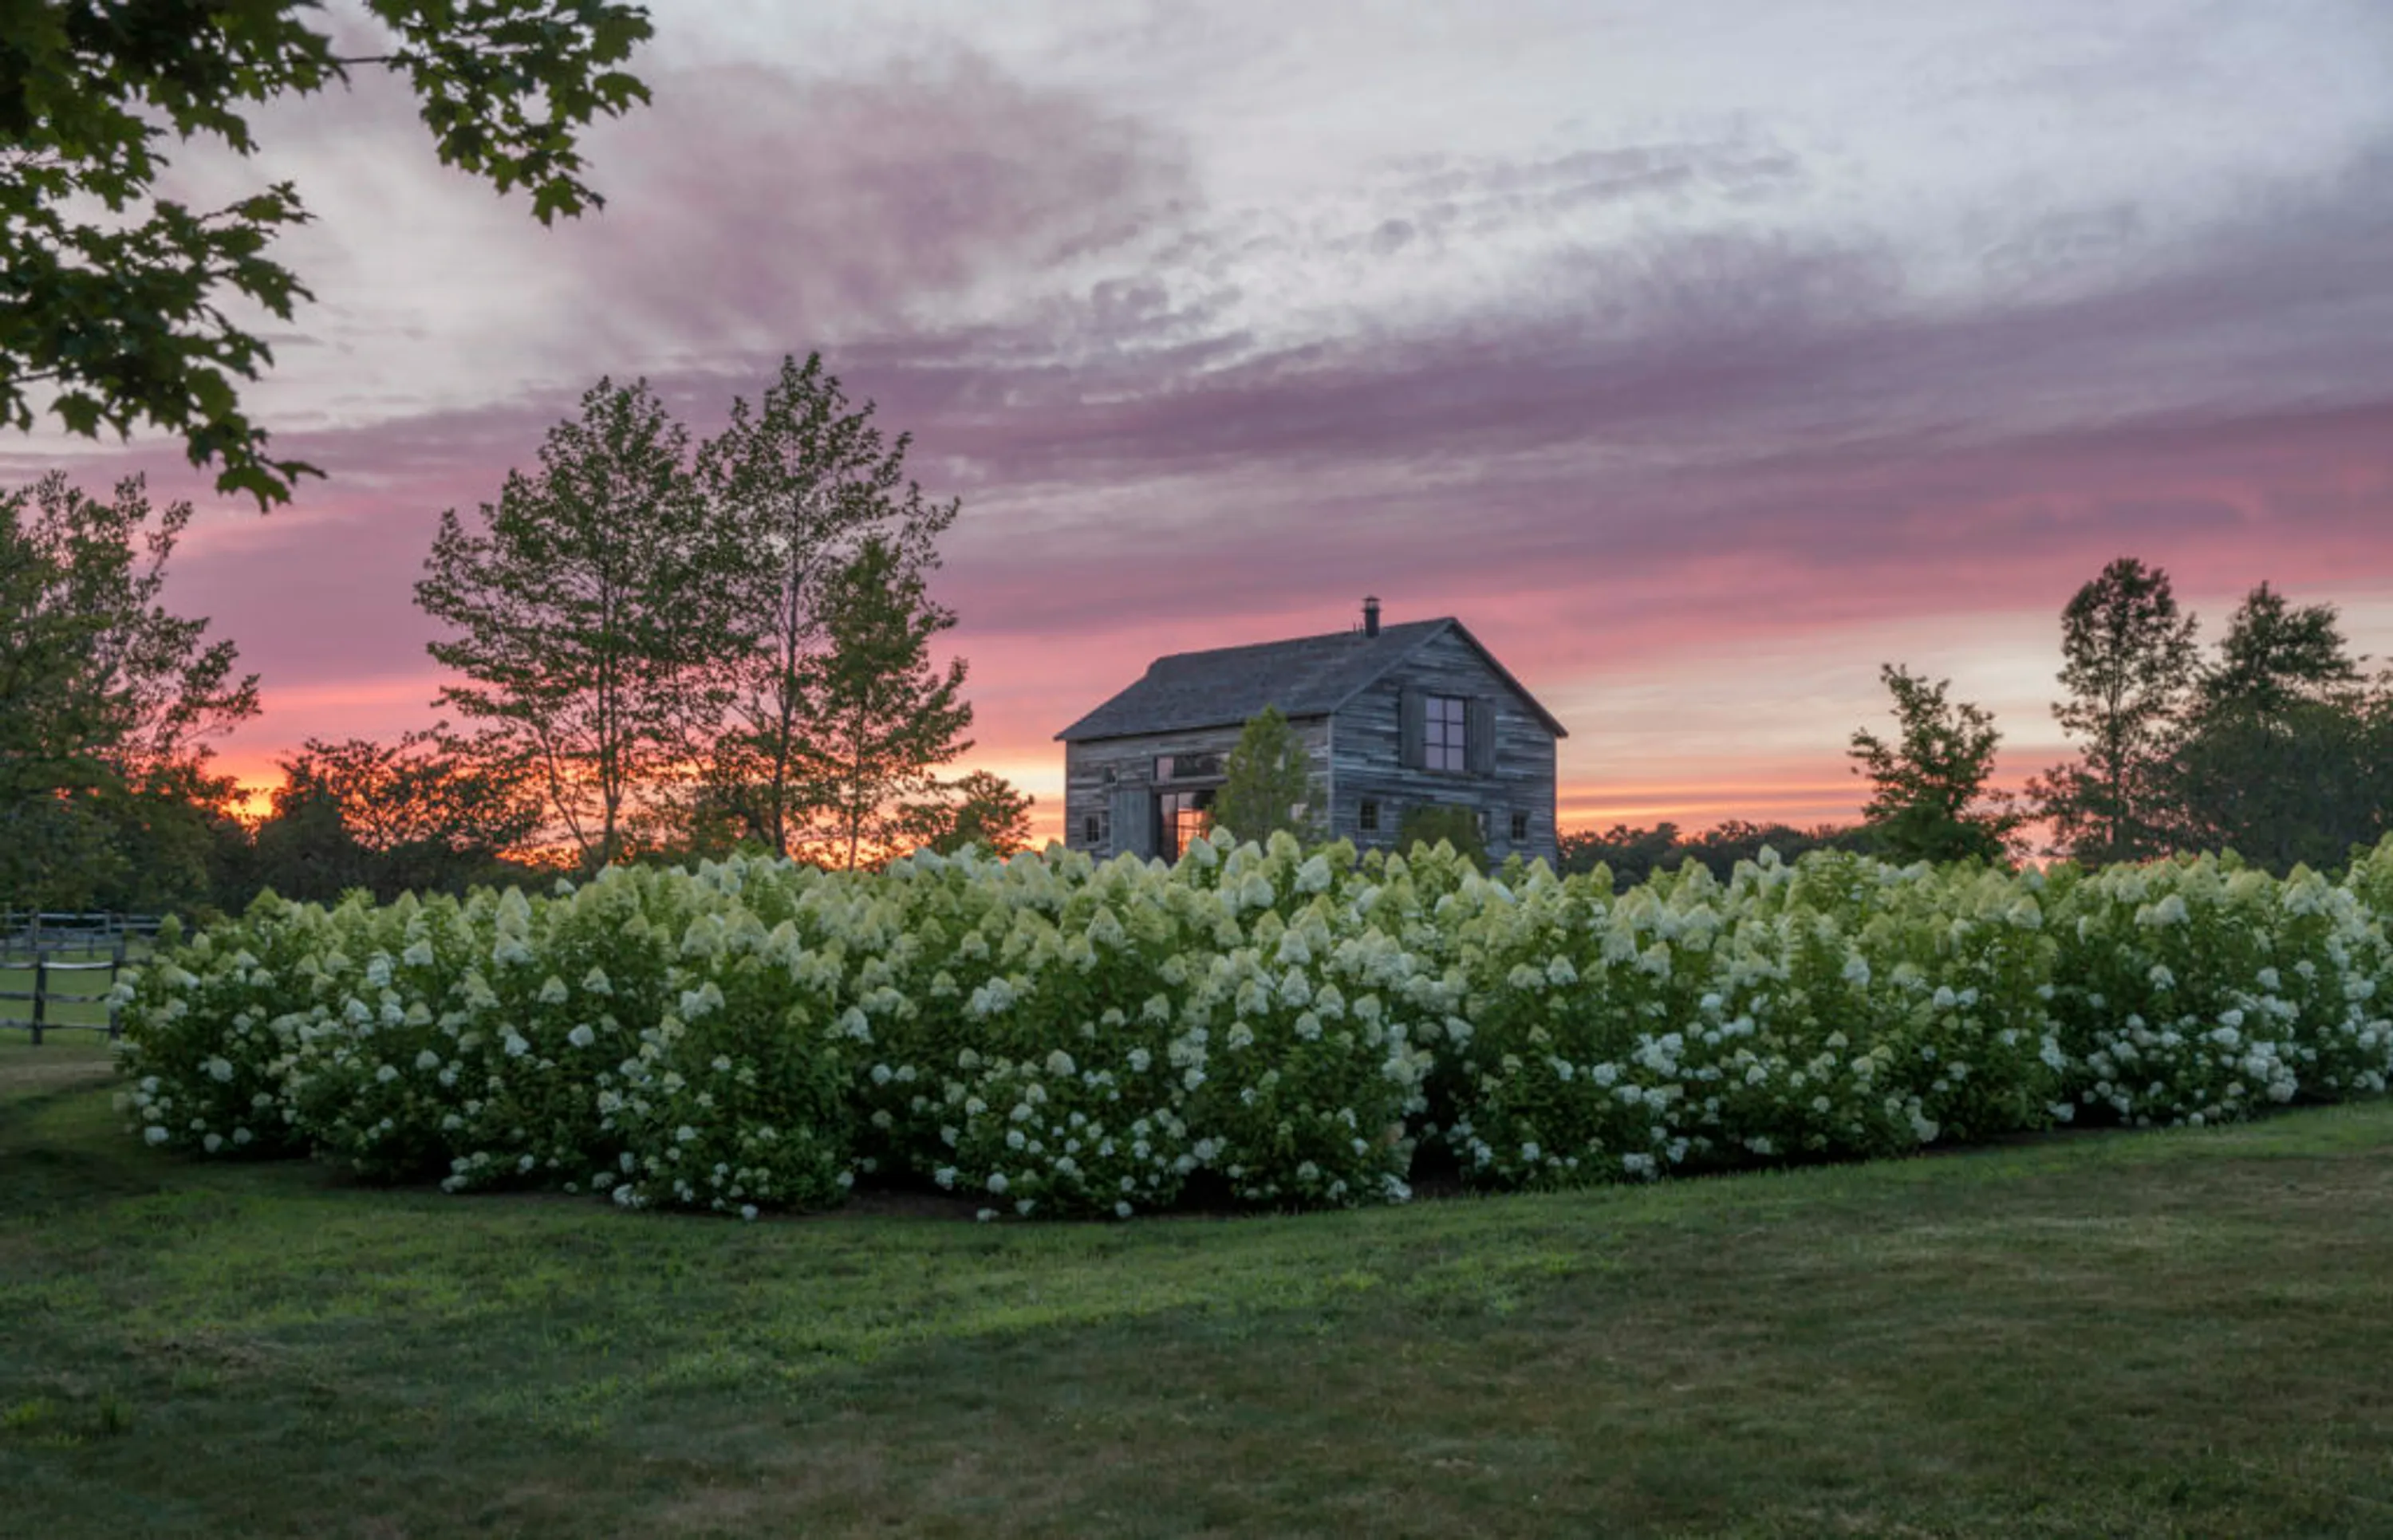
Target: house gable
{"points": [[1356, 700]]}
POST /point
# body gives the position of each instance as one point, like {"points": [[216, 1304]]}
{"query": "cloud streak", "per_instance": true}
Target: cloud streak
{"points": [[1623, 392]]}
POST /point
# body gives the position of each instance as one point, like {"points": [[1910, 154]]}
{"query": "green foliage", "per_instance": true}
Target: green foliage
{"points": [[886, 715], [1268, 786], [1634, 854], [693, 654], [1929, 800], [988, 815], [123, 299], [2197, 989], [107, 703], [1433, 824], [582, 616], [2273, 656], [794, 488], [1048, 1035], [391, 817], [2128, 664], [2286, 755]]}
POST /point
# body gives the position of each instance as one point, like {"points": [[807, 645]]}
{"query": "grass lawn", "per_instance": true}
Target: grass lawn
{"points": [[2153, 1334]]}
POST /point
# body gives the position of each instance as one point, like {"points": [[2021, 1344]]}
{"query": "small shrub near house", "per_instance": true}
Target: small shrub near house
{"points": [[1256, 1025]]}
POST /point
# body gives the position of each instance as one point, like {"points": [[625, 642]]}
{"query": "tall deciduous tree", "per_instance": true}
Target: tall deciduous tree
{"points": [[887, 716], [584, 617], [2128, 664], [795, 486], [1929, 797], [1267, 783], [107, 699], [2275, 653], [2285, 755], [124, 303]]}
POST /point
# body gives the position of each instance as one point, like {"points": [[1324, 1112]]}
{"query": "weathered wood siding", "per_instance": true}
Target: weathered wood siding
{"points": [[1130, 761], [1368, 760]]}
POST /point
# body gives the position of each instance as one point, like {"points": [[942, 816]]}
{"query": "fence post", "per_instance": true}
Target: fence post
{"points": [[116, 962], [41, 992]]}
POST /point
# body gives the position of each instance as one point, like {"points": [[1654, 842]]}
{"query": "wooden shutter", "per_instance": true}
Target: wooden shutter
{"points": [[1412, 728], [1479, 734], [1133, 815]]}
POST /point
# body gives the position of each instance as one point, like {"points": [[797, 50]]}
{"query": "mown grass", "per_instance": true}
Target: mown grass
{"points": [[2154, 1334]]}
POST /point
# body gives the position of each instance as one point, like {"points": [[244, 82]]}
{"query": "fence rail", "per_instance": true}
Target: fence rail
{"points": [[46, 944]]}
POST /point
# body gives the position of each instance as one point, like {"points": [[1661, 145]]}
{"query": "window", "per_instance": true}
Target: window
{"points": [[1447, 740], [1181, 817], [1519, 828], [1368, 817], [1186, 767], [1093, 829]]}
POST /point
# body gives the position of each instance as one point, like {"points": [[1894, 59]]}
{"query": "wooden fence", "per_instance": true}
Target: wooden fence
{"points": [[70, 948]]}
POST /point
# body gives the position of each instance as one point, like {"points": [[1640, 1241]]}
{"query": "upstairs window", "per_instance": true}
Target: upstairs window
{"points": [[1447, 741], [1183, 767]]}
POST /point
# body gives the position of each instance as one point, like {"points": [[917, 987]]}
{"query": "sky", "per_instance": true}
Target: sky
{"points": [[1701, 356]]}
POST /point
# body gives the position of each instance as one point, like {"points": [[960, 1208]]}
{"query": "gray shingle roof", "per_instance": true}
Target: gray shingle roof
{"points": [[1305, 676]]}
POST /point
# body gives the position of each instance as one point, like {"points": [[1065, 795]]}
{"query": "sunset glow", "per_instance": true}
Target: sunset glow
{"points": [[1699, 366]]}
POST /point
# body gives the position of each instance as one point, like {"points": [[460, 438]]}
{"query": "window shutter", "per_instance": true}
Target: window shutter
{"points": [[1412, 727], [1133, 821], [1479, 734]]}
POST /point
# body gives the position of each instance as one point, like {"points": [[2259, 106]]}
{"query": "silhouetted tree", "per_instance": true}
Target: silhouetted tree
{"points": [[2128, 664], [1929, 798], [585, 616], [887, 717], [793, 488]]}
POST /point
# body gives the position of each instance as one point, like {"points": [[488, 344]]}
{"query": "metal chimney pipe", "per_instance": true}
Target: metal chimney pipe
{"points": [[1370, 614]]}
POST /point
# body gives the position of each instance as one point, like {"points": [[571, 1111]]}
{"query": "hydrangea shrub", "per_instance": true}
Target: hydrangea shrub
{"points": [[1262, 1026]]}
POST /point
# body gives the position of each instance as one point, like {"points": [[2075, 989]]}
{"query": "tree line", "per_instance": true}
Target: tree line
{"points": [[659, 649], [2275, 743]]}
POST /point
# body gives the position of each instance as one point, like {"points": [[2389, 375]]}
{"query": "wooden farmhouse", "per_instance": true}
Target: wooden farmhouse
{"points": [[1393, 716]]}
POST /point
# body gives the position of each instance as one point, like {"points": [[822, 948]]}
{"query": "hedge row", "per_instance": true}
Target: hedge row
{"points": [[1267, 1026]]}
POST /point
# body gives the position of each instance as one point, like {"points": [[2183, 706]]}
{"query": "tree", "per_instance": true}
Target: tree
{"points": [[2129, 664], [1929, 800], [420, 819], [1723, 846], [304, 849], [1267, 783], [2283, 758], [2274, 655], [123, 302], [107, 700], [887, 717], [1631, 855], [795, 488], [585, 617], [990, 814]]}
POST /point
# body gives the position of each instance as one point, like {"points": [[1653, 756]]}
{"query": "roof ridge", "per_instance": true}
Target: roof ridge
{"points": [[1355, 635]]}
